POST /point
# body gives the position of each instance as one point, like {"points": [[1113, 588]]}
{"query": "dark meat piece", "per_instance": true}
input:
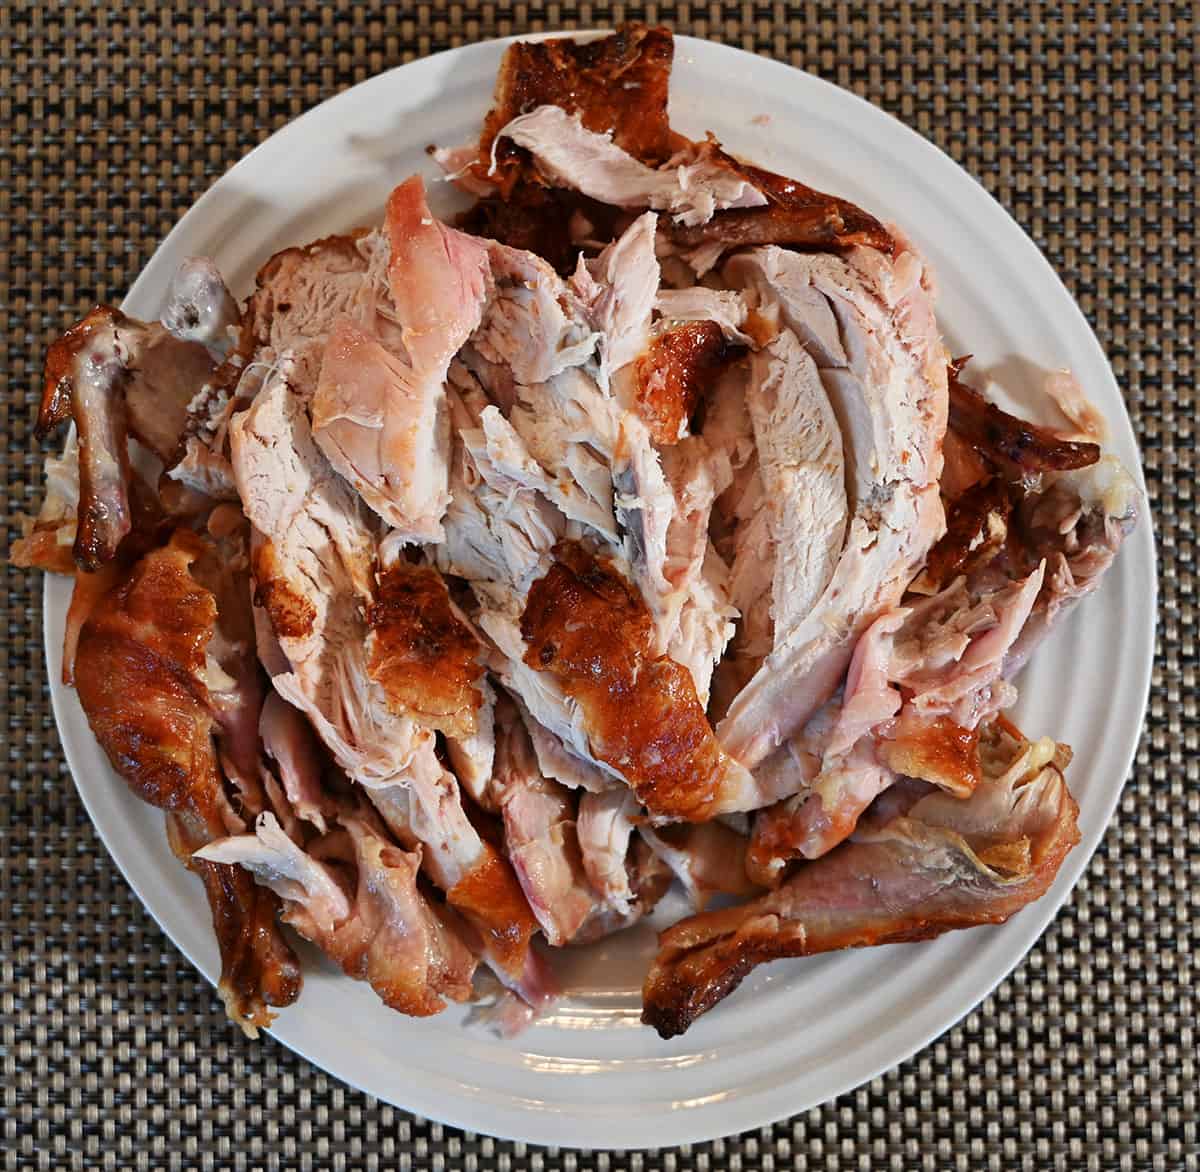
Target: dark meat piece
{"points": [[83, 376], [287, 300], [236, 692], [258, 966], [1077, 524], [357, 896], [142, 668], [117, 376], [942, 864]]}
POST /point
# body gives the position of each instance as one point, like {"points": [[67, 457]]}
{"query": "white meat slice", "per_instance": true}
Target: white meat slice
{"points": [[646, 509], [619, 289], [896, 367], [439, 279], [540, 835], [534, 325], [802, 473], [706, 624], [498, 533], [314, 569], [538, 691], [383, 426], [379, 413], [301, 293], [605, 828], [313, 566], [558, 763]]}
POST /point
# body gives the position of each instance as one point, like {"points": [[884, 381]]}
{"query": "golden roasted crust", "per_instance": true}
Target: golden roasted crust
{"points": [[590, 629], [936, 750], [491, 898], [140, 669], [617, 83], [421, 653], [671, 377]]}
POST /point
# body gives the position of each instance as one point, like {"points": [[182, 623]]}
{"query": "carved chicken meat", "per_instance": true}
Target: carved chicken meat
{"points": [[468, 584], [147, 680], [942, 864]]}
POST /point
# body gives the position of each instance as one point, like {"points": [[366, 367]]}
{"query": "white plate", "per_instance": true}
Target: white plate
{"points": [[796, 1033]]}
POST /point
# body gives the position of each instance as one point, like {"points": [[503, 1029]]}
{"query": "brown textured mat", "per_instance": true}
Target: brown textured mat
{"points": [[113, 119]]}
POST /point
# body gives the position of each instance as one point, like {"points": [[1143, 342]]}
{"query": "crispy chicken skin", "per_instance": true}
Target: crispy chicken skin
{"points": [[585, 625], [617, 83], [794, 215], [615, 88], [1017, 448], [141, 670], [674, 373], [421, 652]]}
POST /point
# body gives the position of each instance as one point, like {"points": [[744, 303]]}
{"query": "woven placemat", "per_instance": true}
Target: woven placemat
{"points": [[113, 119]]}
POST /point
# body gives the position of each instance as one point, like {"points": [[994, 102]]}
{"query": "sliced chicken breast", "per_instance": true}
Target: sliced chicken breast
{"points": [[891, 401]]}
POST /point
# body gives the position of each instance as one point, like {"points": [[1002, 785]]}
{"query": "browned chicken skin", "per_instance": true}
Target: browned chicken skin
{"points": [[795, 215], [1017, 448], [585, 625], [673, 375], [617, 83], [141, 667], [421, 652]]}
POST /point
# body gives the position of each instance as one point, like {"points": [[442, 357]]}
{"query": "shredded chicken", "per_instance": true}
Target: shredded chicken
{"points": [[887, 388], [468, 585]]}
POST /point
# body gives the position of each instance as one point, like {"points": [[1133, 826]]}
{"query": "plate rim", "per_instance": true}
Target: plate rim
{"points": [[554, 1127]]}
